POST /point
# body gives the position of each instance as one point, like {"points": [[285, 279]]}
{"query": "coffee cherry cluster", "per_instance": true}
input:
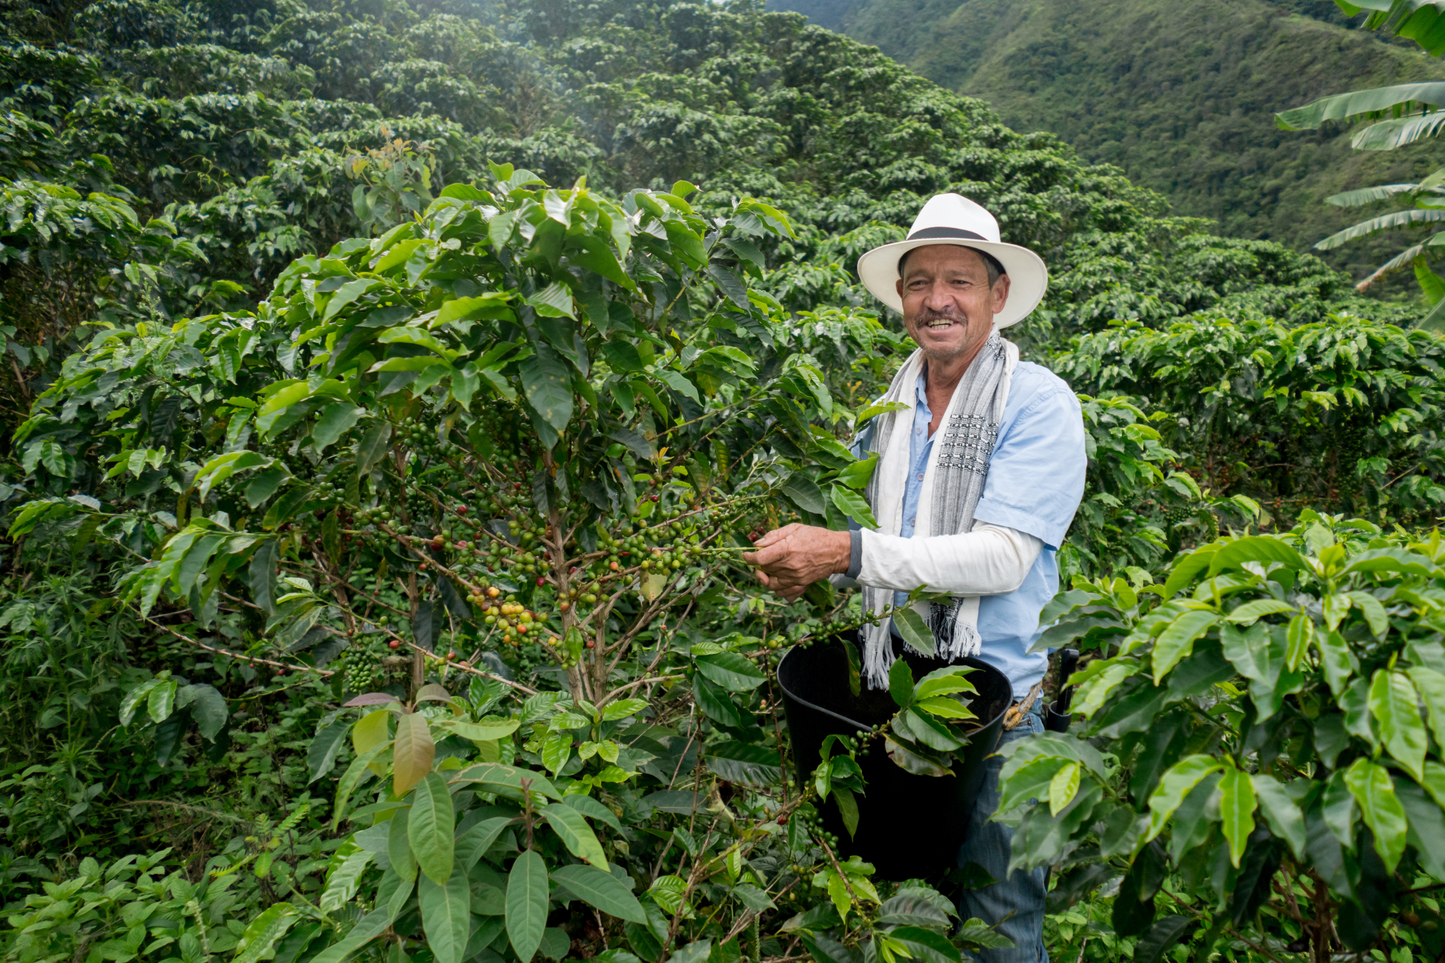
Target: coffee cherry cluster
{"points": [[361, 665]]}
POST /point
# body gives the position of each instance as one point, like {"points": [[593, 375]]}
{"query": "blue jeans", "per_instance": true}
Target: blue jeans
{"points": [[1021, 894]]}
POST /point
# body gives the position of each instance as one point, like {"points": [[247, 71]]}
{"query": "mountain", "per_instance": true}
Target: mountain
{"points": [[1180, 96]]}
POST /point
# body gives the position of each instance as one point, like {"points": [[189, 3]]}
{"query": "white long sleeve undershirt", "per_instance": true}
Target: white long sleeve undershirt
{"points": [[989, 560]]}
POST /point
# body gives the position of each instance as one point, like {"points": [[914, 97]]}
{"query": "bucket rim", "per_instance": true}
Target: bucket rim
{"points": [[974, 663]]}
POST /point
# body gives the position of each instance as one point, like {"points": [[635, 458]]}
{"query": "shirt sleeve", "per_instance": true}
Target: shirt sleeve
{"points": [[1036, 473], [988, 560]]}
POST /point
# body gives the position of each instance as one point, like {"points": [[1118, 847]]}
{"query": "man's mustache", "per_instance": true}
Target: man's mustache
{"points": [[928, 315]]}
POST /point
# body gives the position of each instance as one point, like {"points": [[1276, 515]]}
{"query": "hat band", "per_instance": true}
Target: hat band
{"points": [[931, 232]]}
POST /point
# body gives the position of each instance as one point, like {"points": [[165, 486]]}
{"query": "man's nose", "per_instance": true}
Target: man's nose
{"points": [[937, 298]]}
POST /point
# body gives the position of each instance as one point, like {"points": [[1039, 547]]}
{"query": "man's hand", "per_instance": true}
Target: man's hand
{"points": [[791, 558]]}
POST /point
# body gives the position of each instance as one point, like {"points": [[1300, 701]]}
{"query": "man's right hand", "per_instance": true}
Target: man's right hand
{"points": [[791, 558]]}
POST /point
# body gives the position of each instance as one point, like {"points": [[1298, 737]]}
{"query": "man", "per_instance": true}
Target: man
{"points": [[976, 511]]}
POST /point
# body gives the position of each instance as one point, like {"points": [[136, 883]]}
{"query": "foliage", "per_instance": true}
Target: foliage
{"points": [[340, 409], [1400, 115], [1268, 713], [535, 427], [1180, 97]]}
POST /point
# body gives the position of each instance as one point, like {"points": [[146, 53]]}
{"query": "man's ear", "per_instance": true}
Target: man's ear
{"points": [[898, 286], [998, 294]]}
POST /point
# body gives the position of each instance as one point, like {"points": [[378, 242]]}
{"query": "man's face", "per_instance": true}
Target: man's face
{"points": [[948, 304]]}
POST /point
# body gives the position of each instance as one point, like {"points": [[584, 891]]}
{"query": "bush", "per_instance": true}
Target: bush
{"points": [[1261, 758]]}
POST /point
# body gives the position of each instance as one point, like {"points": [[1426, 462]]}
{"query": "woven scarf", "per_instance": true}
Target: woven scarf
{"points": [[952, 484]]}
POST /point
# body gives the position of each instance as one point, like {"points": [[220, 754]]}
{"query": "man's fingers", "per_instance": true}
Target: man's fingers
{"points": [[776, 535], [766, 556]]}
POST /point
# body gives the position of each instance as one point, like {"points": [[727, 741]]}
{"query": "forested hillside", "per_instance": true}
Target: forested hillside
{"points": [[392, 387], [1182, 97]]}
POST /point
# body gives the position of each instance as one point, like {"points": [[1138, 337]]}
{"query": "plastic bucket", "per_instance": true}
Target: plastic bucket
{"points": [[908, 826]]}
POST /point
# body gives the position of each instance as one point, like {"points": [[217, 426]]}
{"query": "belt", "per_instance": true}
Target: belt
{"points": [[1016, 712]]}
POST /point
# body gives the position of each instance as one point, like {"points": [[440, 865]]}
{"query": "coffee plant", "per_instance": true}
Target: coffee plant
{"points": [[1261, 756]]}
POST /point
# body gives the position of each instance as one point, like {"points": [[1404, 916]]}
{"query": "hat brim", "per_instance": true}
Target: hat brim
{"points": [[1028, 277]]}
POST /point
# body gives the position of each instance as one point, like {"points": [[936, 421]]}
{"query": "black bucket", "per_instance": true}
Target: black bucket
{"points": [[908, 826]]}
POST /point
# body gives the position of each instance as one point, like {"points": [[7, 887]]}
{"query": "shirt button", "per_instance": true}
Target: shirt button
{"points": [[913, 520], [920, 476]]}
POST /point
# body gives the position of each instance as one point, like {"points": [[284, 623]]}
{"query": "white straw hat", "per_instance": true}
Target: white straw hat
{"points": [[954, 219]]}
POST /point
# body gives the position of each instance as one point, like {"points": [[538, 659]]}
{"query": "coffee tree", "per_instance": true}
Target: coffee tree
{"points": [[493, 469], [1271, 717]]}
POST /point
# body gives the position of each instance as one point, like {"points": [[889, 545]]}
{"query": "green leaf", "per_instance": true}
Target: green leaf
{"points": [[915, 631], [910, 761], [527, 904], [1300, 635], [1236, 810], [1250, 611], [1280, 811], [1392, 704], [1359, 102], [1431, 685], [321, 756], [482, 732], [258, 940], [368, 928], [133, 699], [548, 386], [1371, 786], [857, 475], [553, 301], [949, 680], [931, 733], [730, 670], [493, 304], [334, 421], [1373, 612], [1161, 936], [556, 751], [576, 834], [804, 492], [1177, 640], [926, 946], [602, 890], [1063, 786], [900, 683], [1337, 659], [1176, 783], [351, 779], [507, 780], [873, 411], [374, 444], [472, 844], [284, 398], [162, 700], [346, 294], [847, 808], [853, 505], [739, 762], [1255, 548], [413, 754], [715, 702], [431, 827], [341, 885], [446, 916], [398, 846], [623, 708]]}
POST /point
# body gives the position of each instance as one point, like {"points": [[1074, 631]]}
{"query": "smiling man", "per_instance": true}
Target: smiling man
{"points": [[977, 481]]}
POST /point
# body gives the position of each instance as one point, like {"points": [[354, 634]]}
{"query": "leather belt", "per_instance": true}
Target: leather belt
{"points": [[1016, 712]]}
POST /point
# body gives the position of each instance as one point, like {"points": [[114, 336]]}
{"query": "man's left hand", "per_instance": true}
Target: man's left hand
{"points": [[791, 558]]}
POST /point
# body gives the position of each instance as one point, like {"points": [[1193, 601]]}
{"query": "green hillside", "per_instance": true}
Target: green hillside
{"points": [[1181, 96]]}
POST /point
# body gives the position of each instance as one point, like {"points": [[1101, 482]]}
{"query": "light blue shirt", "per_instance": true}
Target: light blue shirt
{"points": [[1035, 483]]}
